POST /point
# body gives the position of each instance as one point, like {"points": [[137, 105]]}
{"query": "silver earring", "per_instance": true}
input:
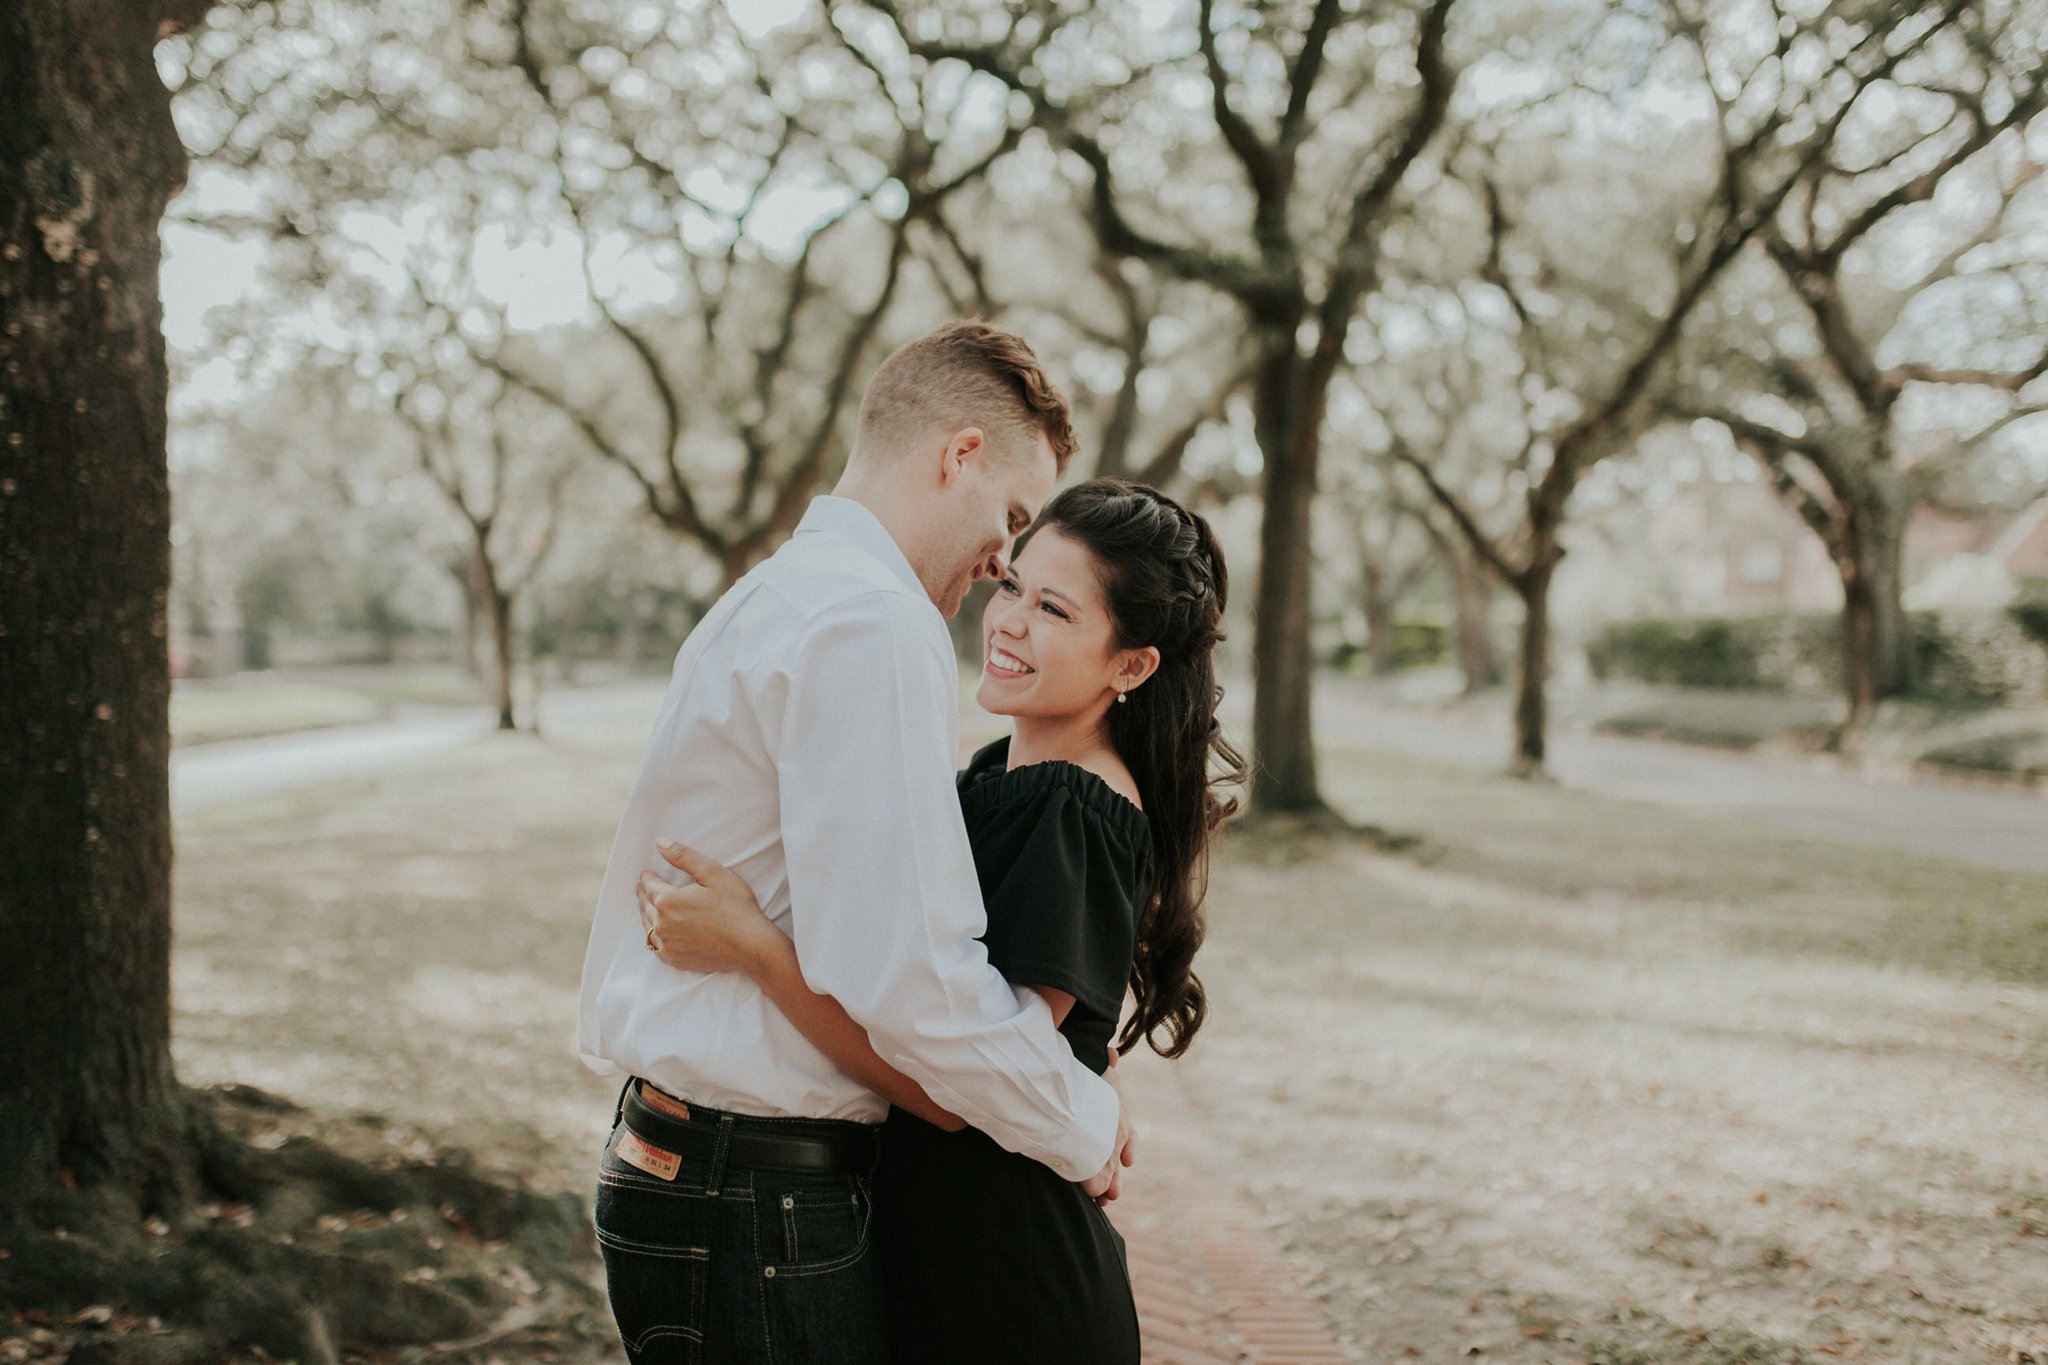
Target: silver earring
{"points": [[1122, 697]]}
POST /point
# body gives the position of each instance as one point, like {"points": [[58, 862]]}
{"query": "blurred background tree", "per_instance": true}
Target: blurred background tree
{"points": [[1525, 238], [1892, 240], [1274, 196]]}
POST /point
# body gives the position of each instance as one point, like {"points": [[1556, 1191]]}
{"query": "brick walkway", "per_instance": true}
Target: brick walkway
{"points": [[1212, 1286]]}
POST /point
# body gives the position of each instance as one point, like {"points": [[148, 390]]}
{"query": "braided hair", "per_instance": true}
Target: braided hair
{"points": [[1163, 577]]}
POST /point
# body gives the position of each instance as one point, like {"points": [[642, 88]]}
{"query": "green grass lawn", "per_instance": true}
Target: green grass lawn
{"points": [[249, 705], [1724, 877], [407, 684], [201, 712], [2001, 741]]}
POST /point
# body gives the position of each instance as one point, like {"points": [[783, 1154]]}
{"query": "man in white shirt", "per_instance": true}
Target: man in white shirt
{"points": [[808, 741]]}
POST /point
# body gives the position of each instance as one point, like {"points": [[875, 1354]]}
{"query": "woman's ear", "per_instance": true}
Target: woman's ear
{"points": [[1134, 666]]}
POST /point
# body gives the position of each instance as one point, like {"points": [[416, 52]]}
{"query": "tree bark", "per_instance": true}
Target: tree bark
{"points": [[1532, 659], [88, 160], [498, 609], [1877, 646], [1288, 419]]}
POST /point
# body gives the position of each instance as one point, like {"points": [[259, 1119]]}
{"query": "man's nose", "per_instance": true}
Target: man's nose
{"points": [[997, 565]]}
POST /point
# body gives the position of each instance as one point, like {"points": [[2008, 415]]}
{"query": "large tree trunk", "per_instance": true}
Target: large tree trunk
{"points": [[88, 159], [1532, 660], [1877, 646], [1288, 420], [501, 655], [464, 572], [498, 608], [94, 1129]]}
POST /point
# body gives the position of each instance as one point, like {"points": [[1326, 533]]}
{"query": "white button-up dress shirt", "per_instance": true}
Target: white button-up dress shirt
{"points": [[807, 741]]}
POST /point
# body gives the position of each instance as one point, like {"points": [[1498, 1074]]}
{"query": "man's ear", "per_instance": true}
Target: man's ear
{"points": [[963, 448]]}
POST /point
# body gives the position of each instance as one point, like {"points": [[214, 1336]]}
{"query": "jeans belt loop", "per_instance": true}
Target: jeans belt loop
{"points": [[717, 1175]]}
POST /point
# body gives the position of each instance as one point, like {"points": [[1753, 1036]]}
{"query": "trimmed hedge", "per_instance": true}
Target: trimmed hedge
{"points": [[1978, 659], [1415, 643], [1783, 652]]}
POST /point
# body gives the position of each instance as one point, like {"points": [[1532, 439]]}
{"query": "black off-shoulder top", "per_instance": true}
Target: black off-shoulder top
{"points": [[1066, 866]]}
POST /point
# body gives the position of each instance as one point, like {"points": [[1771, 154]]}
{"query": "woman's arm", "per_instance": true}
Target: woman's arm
{"points": [[1056, 1000], [717, 926]]}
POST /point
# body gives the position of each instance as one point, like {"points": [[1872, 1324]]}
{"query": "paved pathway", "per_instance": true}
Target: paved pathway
{"points": [[1989, 826], [1212, 1286], [219, 774]]}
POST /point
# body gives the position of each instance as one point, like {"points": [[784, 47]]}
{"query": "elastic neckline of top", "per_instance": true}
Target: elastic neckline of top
{"points": [[986, 774]]}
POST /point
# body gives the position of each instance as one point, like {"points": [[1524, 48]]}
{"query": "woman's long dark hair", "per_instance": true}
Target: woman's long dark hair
{"points": [[1162, 575]]}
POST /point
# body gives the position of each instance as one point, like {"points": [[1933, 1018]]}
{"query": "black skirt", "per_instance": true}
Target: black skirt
{"points": [[988, 1256]]}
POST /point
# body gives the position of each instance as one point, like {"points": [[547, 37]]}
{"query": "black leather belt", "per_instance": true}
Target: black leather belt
{"points": [[751, 1142]]}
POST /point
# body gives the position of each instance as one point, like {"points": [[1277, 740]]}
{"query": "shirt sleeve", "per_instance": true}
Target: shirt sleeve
{"points": [[1064, 915], [885, 906]]}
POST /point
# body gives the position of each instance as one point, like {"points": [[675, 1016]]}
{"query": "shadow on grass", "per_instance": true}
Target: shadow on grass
{"points": [[1301, 836]]}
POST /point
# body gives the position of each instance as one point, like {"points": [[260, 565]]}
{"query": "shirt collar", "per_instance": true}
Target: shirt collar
{"points": [[847, 519]]}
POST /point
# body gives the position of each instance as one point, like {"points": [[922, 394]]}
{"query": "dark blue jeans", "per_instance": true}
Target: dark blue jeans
{"points": [[736, 1265]]}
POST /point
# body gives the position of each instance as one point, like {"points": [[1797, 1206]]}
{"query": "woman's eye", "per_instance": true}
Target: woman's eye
{"points": [[1008, 585], [1054, 610]]}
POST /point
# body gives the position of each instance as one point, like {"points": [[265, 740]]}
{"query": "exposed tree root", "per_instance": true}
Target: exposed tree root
{"points": [[313, 1240]]}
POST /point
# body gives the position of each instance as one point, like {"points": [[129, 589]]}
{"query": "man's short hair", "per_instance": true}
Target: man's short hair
{"points": [[967, 373]]}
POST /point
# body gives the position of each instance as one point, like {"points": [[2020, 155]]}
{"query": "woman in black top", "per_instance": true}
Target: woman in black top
{"points": [[1090, 828]]}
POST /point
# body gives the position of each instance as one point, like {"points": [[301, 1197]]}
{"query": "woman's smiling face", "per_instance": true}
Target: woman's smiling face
{"points": [[1048, 643]]}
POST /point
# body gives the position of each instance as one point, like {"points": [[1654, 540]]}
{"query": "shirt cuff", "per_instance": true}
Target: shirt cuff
{"points": [[1091, 1142]]}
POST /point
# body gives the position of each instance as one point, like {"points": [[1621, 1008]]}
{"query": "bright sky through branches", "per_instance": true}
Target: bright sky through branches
{"points": [[539, 279]]}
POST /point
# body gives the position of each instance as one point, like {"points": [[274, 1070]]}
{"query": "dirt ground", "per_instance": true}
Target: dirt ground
{"points": [[1586, 1082], [1575, 1081]]}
